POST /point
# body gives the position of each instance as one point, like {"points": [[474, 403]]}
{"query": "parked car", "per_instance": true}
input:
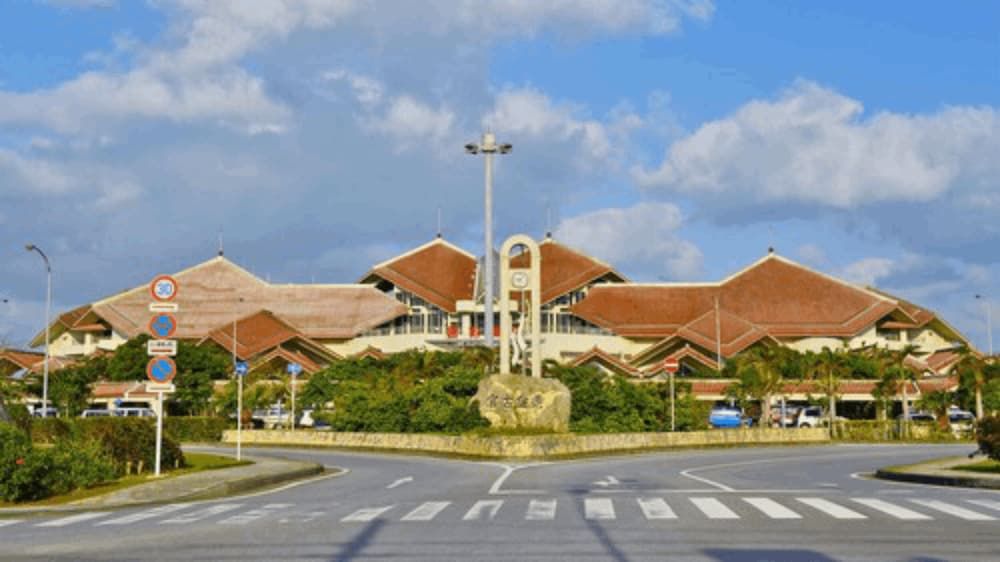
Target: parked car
{"points": [[814, 416], [917, 417], [273, 417], [49, 412], [728, 417], [96, 413], [791, 412], [961, 421], [135, 413], [307, 420]]}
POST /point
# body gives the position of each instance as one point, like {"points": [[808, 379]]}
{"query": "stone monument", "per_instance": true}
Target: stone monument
{"points": [[519, 401]]}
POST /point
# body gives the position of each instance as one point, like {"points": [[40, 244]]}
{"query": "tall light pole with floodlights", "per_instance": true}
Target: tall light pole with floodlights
{"points": [[989, 322], [48, 308], [488, 146]]}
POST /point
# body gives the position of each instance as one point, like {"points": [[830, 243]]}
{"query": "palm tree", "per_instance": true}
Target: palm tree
{"points": [[760, 378], [973, 375], [937, 402], [830, 366]]}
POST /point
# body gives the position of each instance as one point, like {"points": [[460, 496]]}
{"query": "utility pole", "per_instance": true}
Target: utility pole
{"points": [[488, 146], [989, 322], [48, 317]]}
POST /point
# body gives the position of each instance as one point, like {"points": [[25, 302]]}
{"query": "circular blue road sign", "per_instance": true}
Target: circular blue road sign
{"points": [[163, 325], [242, 368], [161, 369], [293, 369]]}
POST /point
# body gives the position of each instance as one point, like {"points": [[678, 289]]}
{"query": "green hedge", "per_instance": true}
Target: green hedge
{"points": [[28, 473], [129, 442], [988, 435], [196, 429]]}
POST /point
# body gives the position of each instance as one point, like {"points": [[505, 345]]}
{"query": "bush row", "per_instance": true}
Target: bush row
{"points": [[988, 435], [28, 473], [130, 443], [195, 429]]}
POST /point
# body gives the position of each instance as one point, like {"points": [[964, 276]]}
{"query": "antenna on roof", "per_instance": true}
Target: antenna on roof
{"points": [[770, 232], [222, 250], [439, 222], [548, 221]]}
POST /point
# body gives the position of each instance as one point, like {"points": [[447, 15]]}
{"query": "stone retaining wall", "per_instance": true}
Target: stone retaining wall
{"points": [[529, 446]]}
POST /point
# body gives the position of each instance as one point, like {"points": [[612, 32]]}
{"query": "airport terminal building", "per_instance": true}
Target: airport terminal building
{"points": [[430, 298]]}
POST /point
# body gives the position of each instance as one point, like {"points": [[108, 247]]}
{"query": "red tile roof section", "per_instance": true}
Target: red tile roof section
{"points": [[565, 270], [437, 272]]}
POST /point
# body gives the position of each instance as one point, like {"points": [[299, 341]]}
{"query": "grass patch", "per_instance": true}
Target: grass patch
{"points": [[196, 462], [982, 467]]}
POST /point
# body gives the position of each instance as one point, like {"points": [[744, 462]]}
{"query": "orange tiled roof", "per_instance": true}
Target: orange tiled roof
{"points": [[259, 332], [774, 296], [601, 356], [565, 269], [215, 292], [437, 272]]}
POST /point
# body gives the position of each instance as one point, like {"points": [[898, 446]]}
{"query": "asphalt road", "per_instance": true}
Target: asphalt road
{"points": [[780, 503]]}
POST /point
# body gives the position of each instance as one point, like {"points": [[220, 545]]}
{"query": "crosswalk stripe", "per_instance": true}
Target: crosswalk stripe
{"points": [[772, 509], [655, 508], [541, 510], [481, 508], [366, 514], [992, 504], [713, 508], [201, 514], [143, 515], [896, 511], [254, 514], [834, 510], [9, 522], [426, 511], [957, 511], [598, 508], [73, 519]]}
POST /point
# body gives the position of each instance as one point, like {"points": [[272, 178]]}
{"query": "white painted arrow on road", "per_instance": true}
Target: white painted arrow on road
{"points": [[609, 481], [399, 482]]}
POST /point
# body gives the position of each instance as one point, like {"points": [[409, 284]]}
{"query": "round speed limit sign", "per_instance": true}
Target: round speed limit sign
{"points": [[163, 288]]}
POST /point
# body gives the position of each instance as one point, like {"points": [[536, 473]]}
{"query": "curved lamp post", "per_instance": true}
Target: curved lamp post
{"points": [[488, 146], [48, 307], [989, 322]]}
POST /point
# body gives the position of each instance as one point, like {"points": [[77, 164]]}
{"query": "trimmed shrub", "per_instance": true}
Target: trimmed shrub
{"points": [[988, 436], [50, 430], [195, 429], [15, 450], [128, 442]]}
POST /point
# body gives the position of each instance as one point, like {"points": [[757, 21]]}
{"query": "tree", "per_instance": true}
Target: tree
{"points": [[973, 376], [937, 402], [70, 387], [830, 367], [197, 368], [129, 361], [759, 378]]}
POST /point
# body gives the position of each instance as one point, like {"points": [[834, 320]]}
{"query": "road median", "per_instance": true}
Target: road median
{"points": [[264, 472], [940, 472]]}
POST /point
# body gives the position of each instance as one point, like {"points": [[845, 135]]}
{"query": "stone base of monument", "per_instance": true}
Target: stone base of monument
{"points": [[518, 401]]}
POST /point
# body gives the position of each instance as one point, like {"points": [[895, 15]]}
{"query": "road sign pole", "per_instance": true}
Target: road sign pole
{"points": [[239, 417], [292, 420], [672, 396], [159, 431]]}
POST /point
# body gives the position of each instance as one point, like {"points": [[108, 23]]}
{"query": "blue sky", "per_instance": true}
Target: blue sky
{"points": [[677, 139]]}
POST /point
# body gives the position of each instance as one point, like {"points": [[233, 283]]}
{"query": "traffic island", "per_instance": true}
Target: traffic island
{"points": [[941, 472], [261, 473]]}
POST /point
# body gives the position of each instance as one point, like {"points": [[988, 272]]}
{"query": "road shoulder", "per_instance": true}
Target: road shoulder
{"points": [[940, 472]]}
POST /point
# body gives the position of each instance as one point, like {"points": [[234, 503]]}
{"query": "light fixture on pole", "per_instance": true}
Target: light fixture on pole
{"points": [[488, 146], [989, 323], [48, 308]]}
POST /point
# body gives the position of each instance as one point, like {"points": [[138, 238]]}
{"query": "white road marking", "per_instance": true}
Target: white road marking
{"points": [[254, 514], [399, 482], [608, 481], [426, 511], [9, 522], [992, 504], [202, 514], [598, 508], [73, 519], [713, 508], [143, 515], [834, 510], [489, 508], [893, 509], [655, 508], [772, 509], [507, 471], [366, 514], [541, 510], [703, 480], [304, 518], [957, 511]]}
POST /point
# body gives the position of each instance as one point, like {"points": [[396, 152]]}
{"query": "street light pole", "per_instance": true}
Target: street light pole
{"points": [[989, 323], [48, 309], [488, 146]]}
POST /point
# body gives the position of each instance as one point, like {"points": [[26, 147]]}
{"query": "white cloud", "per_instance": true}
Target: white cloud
{"points": [[868, 271], [812, 254], [32, 175], [643, 238], [815, 146], [410, 121]]}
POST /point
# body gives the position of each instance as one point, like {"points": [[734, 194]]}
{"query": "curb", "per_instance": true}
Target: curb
{"points": [[223, 488], [936, 477]]}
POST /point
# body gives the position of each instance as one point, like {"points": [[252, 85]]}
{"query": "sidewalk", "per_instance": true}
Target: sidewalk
{"points": [[264, 472], [939, 473]]}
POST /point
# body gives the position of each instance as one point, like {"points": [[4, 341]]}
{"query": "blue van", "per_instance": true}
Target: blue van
{"points": [[726, 417]]}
